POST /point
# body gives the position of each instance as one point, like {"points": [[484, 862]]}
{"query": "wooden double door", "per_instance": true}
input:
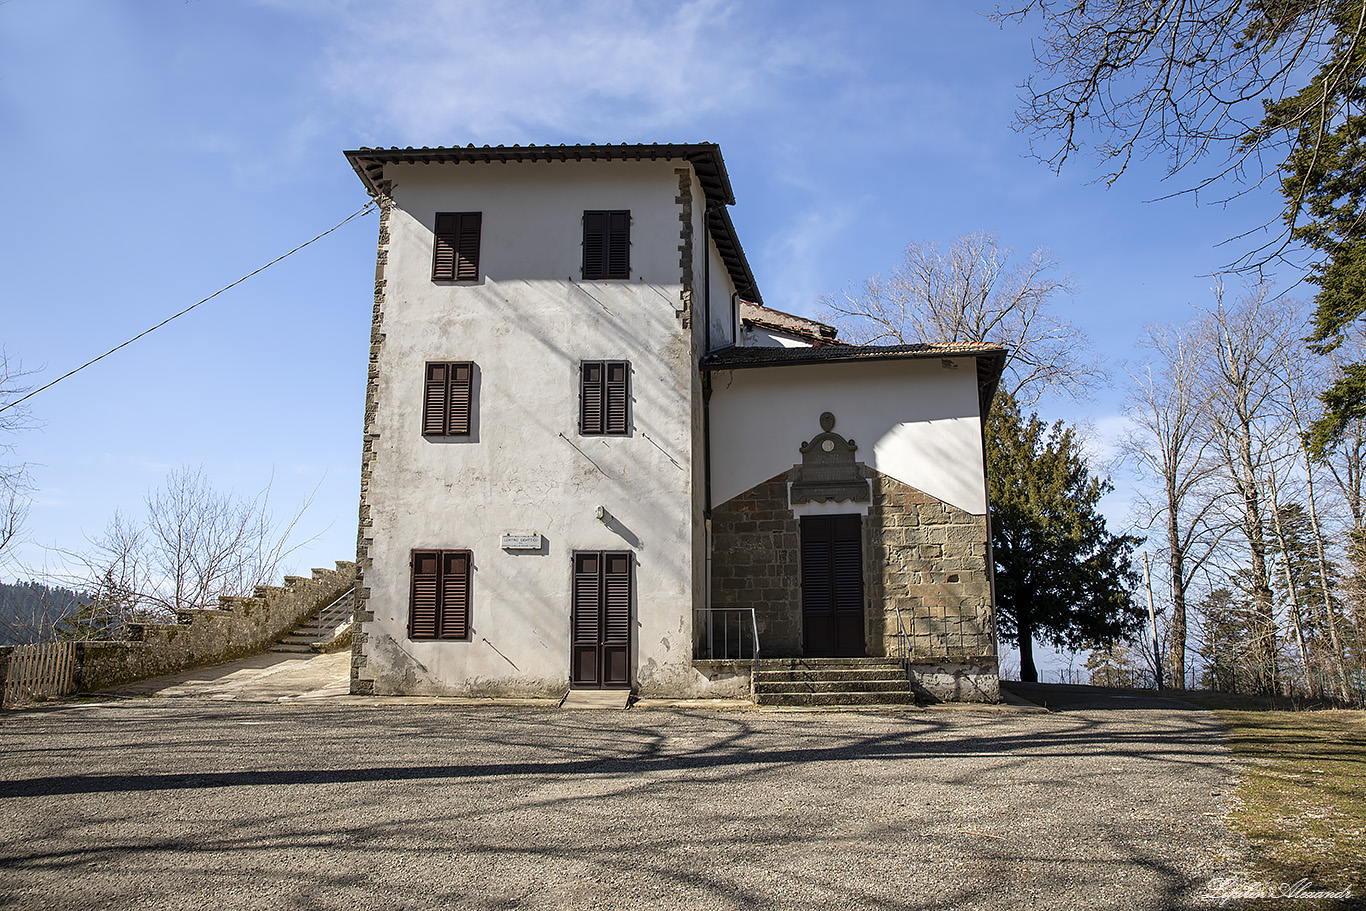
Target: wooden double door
{"points": [[601, 619], [832, 586]]}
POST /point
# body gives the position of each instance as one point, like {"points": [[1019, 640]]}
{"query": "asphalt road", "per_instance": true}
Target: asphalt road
{"points": [[192, 803]]}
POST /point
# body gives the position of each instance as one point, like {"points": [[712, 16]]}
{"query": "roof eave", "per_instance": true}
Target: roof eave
{"points": [[990, 361], [705, 158]]}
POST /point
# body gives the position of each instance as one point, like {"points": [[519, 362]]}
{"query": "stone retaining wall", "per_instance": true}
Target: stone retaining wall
{"points": [[236, 628]]}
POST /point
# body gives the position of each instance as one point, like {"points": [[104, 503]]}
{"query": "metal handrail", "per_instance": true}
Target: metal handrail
{"points": [[336, 615], [711, 643], [905, 639]]}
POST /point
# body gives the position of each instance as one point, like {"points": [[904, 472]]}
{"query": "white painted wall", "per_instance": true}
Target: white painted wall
{"points": [[723, 317], [772, 338], [527, 324], [915, 420]]}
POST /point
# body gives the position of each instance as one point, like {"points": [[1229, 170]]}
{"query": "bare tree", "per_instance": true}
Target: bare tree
{"points": [[1168, 439], [1297, 384], [976, 294], [14, 478], [195, 545], [1186, 78], [1244, 339]]}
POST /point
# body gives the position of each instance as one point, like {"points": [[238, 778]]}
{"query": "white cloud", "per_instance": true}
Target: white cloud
{"points": [[431, 72], [796, 260], [1101, 438]]}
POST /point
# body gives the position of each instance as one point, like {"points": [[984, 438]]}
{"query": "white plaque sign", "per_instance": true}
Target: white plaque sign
{"points": [[522, 542]]}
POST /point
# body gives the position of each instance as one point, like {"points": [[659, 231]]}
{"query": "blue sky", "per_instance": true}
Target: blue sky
{"points": [[160, 149]]}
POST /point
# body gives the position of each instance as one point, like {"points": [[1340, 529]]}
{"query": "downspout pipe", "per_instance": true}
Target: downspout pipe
{"points": [[706, 444], [706, 377], [706, 409]]}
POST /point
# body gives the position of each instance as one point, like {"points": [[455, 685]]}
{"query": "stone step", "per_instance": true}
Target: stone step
{"points": [[281, 648], [833, 674], [822, 663], [835, 699], [766, 687]]}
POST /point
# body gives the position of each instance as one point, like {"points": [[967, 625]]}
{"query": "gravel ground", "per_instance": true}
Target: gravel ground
{"points": [[190, 803]]}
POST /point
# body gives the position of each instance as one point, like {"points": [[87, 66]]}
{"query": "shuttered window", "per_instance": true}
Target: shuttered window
{"points": [[455, 252], [604, 398], [606, 245], [446, 397], [439, 604]]}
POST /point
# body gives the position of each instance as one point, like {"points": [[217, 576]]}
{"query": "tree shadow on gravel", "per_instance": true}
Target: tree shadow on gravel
{"points": [[434, 806]]}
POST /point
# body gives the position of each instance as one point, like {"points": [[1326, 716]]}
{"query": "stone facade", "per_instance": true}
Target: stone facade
{"points": [[922, 557], [362, 682], [756, 560], [929, 560]]}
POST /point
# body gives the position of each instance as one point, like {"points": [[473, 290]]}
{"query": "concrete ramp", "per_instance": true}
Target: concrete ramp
{"points": [[265, 677]]}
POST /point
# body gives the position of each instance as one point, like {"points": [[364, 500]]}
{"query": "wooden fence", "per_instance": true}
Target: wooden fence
{"points": [[46, 669]]}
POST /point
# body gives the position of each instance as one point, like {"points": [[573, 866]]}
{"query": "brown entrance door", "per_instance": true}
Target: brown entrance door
{"points": [[832, 586], [600, 626]]}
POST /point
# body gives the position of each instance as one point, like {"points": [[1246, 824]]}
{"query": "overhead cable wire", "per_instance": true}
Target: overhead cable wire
{"points": [[354, 215]]}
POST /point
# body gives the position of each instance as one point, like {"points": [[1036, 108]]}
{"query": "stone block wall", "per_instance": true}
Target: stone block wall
{"points": [[236, 628], [756, 562], [930, 560], [920, 555]]}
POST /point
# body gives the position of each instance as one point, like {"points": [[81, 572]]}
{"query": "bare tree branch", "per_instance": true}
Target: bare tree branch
{"points": [[15, 487], [1186, 79], [975, 293], [195, 545]]}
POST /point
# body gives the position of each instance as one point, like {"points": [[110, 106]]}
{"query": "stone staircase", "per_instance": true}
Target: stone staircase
{"points": [[317, 630], [831, 681]]}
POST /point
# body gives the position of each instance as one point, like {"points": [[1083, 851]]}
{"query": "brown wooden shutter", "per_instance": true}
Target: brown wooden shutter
{"points": [[439, 604], [591, 395], [832, 586], [422, 604], [458, 400], [847, 559], [444, 246], [434, 399], [615, 383], [618, 245], [447, 397], [454, 617], [455, 247], [616, 577], [586, 634], [817, 596], [601, 619], [467, 247], [594, 245]]}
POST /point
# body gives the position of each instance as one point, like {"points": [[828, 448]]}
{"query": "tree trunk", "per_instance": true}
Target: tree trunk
{"points": [[1296, 620], [1178, 575], [1253, 526], [1339, 656], [1028, 672]]}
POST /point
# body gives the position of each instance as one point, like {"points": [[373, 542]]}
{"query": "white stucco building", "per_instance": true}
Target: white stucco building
{"points": [[584, 445]]}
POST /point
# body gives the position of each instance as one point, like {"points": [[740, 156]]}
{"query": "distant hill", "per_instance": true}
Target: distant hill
{"points": [[28, 610]]}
